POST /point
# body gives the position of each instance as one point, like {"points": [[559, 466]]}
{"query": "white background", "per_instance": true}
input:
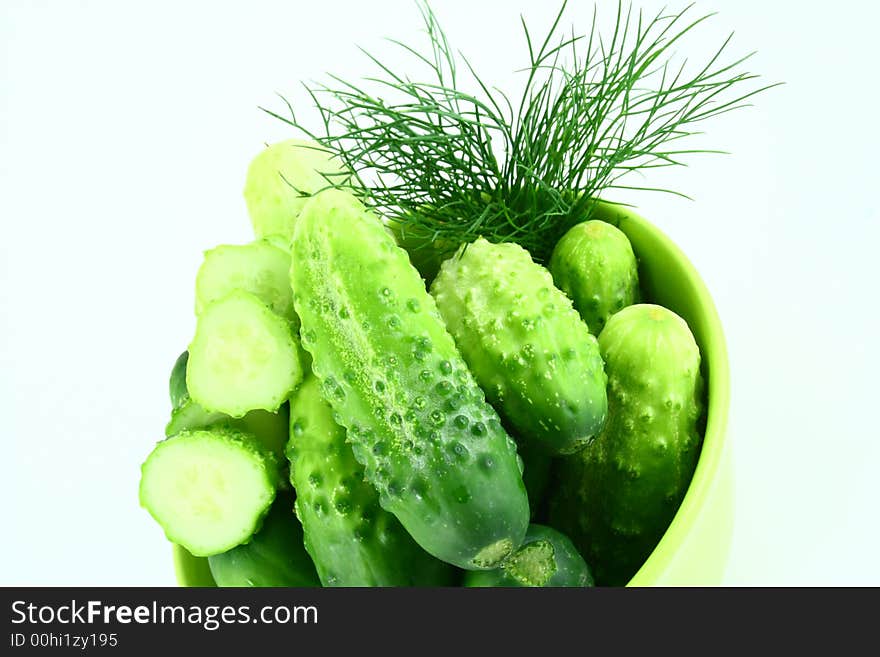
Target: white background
{"points": [[125, 132]]}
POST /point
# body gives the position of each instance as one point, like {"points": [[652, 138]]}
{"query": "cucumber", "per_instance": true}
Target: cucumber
{"points": [[545, 558], [416, 418], [280, 180], [352, 541], [259, 268], [426, 253], [270, 429], [275, 556], [525, 344], [537, 466], [177, 382], [243, 357], [616, 498], [595, 266], [209, 489]]}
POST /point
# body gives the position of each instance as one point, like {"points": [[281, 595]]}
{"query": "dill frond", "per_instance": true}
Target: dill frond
{"points": [[448, 163]]}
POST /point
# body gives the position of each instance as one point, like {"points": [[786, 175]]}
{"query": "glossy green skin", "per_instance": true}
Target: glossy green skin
{"points": [[417, 420], [275, 556], [550, 560], [279, 181], [271, 429], [525, 344], [595, 266], [177, 389], [352, 540], [616, 498]]}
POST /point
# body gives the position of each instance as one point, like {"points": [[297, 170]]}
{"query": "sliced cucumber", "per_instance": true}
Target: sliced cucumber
{"points": [[271, 429], [209, 489], [243, 357], [260, 268]]}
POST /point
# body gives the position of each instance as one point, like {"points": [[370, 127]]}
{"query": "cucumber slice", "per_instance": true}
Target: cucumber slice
{"points": [[243, 357], [275, 556], [209, 489], [271, 429], [259, 268]]}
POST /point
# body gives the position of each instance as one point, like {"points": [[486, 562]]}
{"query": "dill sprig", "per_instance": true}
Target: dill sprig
{"points": [[447, 164]]}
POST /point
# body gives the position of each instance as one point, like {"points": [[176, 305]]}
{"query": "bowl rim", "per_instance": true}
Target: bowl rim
{"points": [[192, 571]]}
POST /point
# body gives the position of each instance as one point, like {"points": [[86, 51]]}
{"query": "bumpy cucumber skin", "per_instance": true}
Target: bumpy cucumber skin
{"points": [[417, 420], [595, 266], [271, 429], [270, 469], [352, 541], [616, 498], [275, 556], [525, 344], [568, 567], [279, 180]]}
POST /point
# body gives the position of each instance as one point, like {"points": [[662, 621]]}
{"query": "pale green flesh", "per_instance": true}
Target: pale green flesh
{"points": [[259, 268], [207, 489], [533, 564], [243, 357]]}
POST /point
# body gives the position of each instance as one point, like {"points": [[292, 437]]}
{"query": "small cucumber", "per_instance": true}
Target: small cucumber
{"points": [[417, 420], [275, 556], [243, 357], [259, 268], [595, 266], [525, 344], [616, 498], [209, 489], [280, 180], [353, 542], [545, 558], [269, 428]]}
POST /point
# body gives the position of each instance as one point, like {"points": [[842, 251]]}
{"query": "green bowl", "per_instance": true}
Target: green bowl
{"points": [[694, 549]]}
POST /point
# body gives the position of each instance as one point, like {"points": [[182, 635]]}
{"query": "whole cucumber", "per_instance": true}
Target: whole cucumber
{"points": [[525, 344], [352, 541], [417, 420], [595, 266], [545, 558], [616, 498], [274, 556]]}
